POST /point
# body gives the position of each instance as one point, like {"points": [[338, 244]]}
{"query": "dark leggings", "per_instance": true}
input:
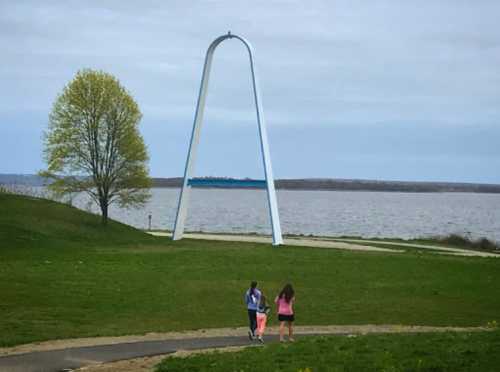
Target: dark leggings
{"points": [[252, 317]]}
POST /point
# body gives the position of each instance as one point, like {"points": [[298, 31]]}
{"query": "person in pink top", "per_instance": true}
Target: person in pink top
{"points": [[284, 302]]}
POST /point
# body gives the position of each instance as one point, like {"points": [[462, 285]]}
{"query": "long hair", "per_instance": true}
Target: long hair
{"points": [[287, 293], [263, 300], [253, 285]]}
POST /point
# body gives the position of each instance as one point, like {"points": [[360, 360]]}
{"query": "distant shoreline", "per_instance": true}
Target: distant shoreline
{"points": [[312, 184], [306, 184]]}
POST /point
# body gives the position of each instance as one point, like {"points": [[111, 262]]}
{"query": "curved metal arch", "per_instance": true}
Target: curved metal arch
{"points": [[195, 137]]}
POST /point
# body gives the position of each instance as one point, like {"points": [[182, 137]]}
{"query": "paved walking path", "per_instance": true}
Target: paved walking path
{"points": [[69, 359], [41, 359], [290, 241], [336, 243], [456, 251]]}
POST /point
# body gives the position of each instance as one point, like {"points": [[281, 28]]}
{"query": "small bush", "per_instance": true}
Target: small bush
{"points": [[482, 244], [487, 244]]}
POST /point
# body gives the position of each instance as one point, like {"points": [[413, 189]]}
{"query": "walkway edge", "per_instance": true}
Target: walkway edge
{"points": [[221, 332], [350, 244]]}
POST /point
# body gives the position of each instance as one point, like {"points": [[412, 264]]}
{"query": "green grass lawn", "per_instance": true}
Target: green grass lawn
{"points": [[63, 275], [388, 353]]}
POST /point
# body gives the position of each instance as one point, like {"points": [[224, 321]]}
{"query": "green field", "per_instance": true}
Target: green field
{"points": [[62, 275], [387, 353]]}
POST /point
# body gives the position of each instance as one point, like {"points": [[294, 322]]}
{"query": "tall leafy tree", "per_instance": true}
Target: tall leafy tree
{"points": [[93, 144]]}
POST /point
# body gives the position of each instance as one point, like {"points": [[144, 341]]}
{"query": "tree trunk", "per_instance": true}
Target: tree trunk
{"points": [[104, 212]]}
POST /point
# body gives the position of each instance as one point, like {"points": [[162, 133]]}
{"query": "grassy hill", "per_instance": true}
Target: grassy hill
{"points": [[64, 275], [37, 223]]}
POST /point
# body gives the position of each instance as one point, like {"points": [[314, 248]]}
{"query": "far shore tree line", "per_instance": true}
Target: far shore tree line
{"points": [[93, 144]]}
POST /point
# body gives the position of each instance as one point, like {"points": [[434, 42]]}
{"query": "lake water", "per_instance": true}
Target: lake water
{"points": [[329, 213]]}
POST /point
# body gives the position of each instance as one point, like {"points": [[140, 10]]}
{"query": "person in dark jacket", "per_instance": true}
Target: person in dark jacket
{"points": [[252, 299]]}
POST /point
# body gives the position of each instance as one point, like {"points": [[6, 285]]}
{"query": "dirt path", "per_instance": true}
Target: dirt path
{"points": [[142, 352], [220, 332], [456, 251], [290, 241], [336, 243], [147, 364]]}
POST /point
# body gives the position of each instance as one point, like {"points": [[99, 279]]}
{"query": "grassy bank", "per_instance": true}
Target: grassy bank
{"points": [[28, 222], [404, 352], [63, 275]]}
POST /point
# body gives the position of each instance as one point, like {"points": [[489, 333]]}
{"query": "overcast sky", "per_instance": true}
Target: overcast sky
{"points": [[395, 90]]}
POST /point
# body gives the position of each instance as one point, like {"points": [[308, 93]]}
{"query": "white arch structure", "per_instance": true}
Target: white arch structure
{"points": [[195, 138]]}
